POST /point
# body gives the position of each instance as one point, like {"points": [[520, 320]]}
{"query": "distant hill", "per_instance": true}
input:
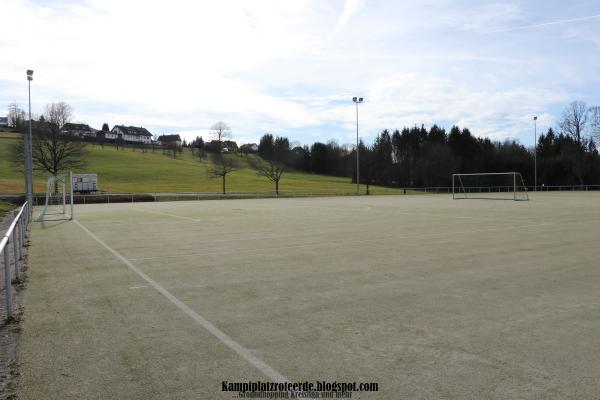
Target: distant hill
{"points": [[129, 170]]}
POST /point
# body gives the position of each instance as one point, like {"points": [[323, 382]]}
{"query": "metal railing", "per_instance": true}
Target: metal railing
{"points": [[15, 236]]}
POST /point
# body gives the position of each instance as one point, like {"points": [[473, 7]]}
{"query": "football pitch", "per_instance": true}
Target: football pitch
{"points": [[429, 297]]}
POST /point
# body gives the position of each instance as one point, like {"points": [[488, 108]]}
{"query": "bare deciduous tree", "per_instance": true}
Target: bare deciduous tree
{"points": [[221, 167], [221, 131], [58, 114], [574, 120], [16, 116], [271, 169], [52, 151], [172, 149], [272, 162], [199, 152], [595, 122]]}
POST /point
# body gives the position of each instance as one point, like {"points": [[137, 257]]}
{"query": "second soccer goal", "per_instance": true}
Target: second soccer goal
{"points": [[491, 185], [58, 204]]}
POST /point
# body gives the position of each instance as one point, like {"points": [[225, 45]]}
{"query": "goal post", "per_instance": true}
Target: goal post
{"points": [[58, 204], [489, 185]]}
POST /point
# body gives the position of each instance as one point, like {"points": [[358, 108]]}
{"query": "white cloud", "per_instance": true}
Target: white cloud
{"points": [[270, 65], [549, 23], [407, 99], [485, 17], [350, 7]]}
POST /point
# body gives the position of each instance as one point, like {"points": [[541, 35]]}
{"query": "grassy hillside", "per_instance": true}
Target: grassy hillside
{"points": [[131, 171], [5, 208]]}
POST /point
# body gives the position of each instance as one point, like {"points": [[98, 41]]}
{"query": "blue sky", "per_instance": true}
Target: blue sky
{"points": [[291, 67]]}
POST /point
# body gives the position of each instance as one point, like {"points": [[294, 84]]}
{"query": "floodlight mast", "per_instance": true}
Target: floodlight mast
{"points": [[28, 150], [357, 101], [535, 153]]}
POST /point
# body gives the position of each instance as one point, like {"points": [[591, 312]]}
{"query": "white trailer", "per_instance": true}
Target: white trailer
{"points": [[85, 183]]}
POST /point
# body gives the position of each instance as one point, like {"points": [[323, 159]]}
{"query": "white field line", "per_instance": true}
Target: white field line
{"points": [[341, 242], [268, 371]]}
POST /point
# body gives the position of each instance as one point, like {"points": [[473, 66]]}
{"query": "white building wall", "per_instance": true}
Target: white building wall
{"points": [[137, 138], [114, 134]]}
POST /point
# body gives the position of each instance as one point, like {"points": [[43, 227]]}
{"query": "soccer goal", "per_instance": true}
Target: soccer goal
{"points": [[492, 185], [59, 199]]}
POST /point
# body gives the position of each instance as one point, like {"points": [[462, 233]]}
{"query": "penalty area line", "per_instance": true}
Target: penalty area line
{"points": [[267, 370]]}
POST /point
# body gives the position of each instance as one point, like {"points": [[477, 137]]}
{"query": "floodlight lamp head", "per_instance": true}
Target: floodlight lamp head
{"points": [[360, 99], [354, 99], [29, 74], [535, 118]]}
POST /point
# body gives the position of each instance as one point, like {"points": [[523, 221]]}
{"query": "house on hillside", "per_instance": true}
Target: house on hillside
{"points": [[165, 140], [249, 148], [225, 146], [41, 126], [131, 134], [229, 146], [79, 130]]}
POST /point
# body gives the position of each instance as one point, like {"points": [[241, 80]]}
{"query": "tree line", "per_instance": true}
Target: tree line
{"points": [[411, 157], [426, 157]]}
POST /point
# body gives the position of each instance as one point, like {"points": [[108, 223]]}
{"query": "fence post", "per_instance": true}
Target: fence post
{"points": [[21, 228], [16, 250], [25, 225], [21, 244], [7, 283]]}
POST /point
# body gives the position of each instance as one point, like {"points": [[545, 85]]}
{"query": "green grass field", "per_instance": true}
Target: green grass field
{"points": [[4, 208], [432, 298], [129, 171]]}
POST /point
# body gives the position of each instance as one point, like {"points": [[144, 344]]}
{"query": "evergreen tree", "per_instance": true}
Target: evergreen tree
{"points": [[266, 146]]}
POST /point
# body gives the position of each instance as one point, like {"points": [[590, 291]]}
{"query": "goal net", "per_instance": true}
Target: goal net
{"points": [[493, 185], [59, 199]]}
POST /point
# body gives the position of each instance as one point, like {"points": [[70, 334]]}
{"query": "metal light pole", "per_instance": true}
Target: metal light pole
{"points": [[28, 150], [357, 101], [535, 154]]}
